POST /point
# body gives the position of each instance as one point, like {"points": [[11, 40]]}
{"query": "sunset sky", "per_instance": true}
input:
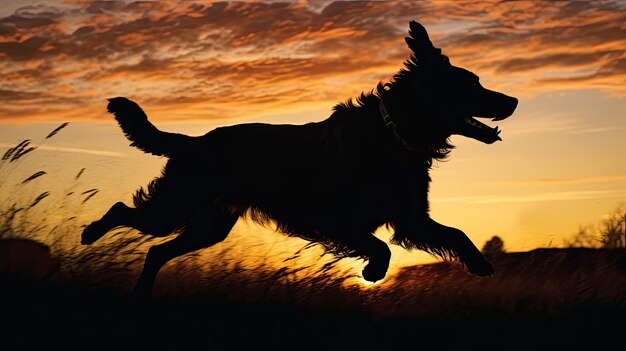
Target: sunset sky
{"points": [[194, 66]]}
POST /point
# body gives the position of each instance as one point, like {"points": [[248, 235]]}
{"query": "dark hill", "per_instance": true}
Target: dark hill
{"points": [[546, 299], [549, 281]]}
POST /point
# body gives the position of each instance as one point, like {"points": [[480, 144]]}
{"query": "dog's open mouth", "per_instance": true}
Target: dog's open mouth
{"points": [[481, 131]]}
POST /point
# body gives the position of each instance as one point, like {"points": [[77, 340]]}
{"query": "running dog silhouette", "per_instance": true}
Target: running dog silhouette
{"points": [[332, 182]]}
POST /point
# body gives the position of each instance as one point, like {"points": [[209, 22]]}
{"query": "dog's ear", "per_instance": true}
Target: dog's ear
{"points": [[422, 47]]}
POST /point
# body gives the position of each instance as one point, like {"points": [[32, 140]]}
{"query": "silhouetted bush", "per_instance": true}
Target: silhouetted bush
{"points": [[493, 247]]}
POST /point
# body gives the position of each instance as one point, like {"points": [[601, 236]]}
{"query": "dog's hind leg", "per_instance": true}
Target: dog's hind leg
{"points": [[378, 255], [118, 215], [203, 230], [154, 219]]}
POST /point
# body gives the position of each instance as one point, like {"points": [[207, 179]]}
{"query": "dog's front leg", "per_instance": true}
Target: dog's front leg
{"points": [[426, 234], [457, 241], [377, 253], [414, 229]]}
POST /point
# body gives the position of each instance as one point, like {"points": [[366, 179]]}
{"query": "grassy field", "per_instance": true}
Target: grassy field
{"points": [[56, 294], [552, 299]]}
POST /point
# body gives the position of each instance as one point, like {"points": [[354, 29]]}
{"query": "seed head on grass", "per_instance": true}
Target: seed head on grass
{"points": [[22, 152], [34, 176], [57, 129], [89, 196], [7, 155], [16, 152], [39, 198], [90, 193], [79, 173]]}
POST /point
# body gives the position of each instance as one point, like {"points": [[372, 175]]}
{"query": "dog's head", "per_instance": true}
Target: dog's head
{"points": [[454, 95]]}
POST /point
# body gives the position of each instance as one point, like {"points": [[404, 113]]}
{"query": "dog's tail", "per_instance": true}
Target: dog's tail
{"points": [[143, 134]]}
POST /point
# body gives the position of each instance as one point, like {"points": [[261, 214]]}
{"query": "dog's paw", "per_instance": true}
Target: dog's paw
{"points": [[92, 232], [479, 267], [373, 272]]}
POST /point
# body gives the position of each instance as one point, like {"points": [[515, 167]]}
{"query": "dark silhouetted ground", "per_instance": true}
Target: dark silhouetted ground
{"points": [[548, 299]]}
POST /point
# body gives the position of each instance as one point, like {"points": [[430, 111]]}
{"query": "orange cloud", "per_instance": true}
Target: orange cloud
{"points": [[549, 45], [568, 181], [243, 58]]}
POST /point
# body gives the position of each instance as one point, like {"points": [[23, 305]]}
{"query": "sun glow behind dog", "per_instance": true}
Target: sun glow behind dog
{"points": [[306, 69]]}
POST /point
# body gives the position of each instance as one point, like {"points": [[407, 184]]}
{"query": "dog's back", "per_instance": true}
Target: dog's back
{"points": [[254, 160]]}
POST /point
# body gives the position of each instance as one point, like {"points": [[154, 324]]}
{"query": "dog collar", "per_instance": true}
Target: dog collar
{"points": [[393, 127]]}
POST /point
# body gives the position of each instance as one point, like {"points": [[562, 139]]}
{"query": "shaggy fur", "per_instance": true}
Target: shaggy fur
{"points": [[332, 182]]}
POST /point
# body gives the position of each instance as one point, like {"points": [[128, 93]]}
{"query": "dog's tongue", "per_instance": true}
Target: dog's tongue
{"points": [[477, 124], [493, 132]]}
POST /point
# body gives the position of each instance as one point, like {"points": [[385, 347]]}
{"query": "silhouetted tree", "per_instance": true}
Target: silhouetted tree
{"points": [[493, 247], [613, 230], [585, 237], [611, 233]]}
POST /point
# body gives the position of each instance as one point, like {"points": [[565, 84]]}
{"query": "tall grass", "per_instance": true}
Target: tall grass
{"points": [[115, 261], [50, 216], [17, 203]]}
